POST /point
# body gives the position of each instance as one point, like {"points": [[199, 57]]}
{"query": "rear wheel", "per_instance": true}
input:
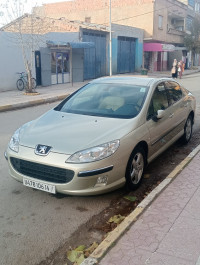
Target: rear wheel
{"points": [[188, 130], [20, 84], [135, 168]]}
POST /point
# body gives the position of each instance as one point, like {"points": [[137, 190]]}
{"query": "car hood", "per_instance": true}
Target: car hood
{"points": [[68, 133]]}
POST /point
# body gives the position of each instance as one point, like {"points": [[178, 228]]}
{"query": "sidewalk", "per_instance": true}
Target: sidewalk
{"points": [[15, 99], [164, 229]]}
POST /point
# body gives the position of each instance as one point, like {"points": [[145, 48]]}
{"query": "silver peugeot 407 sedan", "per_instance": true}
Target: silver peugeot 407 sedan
{"points": [[102, 136]]}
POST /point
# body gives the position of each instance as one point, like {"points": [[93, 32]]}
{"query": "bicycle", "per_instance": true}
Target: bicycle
{"points": [[22, 82]]}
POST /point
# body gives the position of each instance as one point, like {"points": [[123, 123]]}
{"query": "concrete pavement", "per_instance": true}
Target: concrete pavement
{"points": [[164, 229], [16, 99]]}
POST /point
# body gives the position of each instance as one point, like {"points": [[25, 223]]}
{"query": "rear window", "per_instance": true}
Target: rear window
{"points": [[106, 100]]}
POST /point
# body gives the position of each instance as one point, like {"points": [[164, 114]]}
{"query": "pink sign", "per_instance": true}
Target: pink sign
{"points": [[158, 47]]}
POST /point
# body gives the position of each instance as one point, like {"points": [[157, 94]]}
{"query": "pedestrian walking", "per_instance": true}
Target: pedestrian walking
{"points": [[181, 67], [174, 70]]}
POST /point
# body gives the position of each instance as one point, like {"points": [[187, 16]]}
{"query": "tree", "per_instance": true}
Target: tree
{"points": [[24, 28], [192, 39]]}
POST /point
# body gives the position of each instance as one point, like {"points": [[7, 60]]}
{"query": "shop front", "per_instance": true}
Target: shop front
{"points": [[60, 67], [66, 61], [156, 56]]}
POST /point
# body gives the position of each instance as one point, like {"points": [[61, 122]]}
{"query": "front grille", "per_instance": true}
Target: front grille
{"points": [[42, 172]]}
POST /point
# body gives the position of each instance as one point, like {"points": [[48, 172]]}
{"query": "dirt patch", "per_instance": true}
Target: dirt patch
{"points": [[97, 227]]}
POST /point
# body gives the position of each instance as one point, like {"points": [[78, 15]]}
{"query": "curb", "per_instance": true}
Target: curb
{"points": [[113, 236], [32, 103]]}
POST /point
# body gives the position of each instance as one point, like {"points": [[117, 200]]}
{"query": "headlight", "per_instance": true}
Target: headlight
{"points": [[94, 153], [14, 142]]}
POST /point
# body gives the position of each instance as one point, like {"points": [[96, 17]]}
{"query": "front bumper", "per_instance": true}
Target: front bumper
{"points": [[86, 176]]}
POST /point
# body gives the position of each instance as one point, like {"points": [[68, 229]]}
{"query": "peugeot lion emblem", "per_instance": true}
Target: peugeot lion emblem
{"points": [[42, 150]]}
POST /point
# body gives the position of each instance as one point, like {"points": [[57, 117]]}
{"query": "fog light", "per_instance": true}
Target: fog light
{"points": [[101, 181]]}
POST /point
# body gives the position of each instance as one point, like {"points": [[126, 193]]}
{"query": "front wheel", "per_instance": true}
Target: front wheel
{"points": [[20, 84], [187, 130], [135, 168]]}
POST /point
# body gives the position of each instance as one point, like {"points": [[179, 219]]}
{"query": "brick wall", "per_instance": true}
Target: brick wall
{"points": [[134, 13], [40, 25]]}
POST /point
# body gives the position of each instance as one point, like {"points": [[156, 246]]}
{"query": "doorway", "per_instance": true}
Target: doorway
{"points": [[60, 67], [38, 68], [159, 61]]}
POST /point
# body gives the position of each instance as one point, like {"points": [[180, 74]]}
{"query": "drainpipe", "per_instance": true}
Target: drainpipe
{"points": [[70, 65]]}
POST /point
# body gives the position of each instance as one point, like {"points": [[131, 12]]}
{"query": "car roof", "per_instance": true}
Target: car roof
{"points": [[129, 80]]}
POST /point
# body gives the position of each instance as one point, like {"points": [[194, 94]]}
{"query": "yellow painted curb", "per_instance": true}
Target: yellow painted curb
{"points": [[115, 234], [36, 102], [184, 163], [31, 94], [6, 107]]}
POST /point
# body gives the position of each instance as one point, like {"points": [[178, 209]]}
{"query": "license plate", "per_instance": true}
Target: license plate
{"points": [[39, 185]]}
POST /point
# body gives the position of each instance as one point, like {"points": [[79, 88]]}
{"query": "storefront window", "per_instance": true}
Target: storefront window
{"points": [[59, 62]]}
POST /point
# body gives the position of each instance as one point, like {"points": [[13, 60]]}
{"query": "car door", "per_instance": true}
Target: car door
{"points": [[160, 130], [179, 105]]}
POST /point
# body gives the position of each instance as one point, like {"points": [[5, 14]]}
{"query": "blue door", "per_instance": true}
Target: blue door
{"points": [[126, 55], [94, 58], [38, 68]]}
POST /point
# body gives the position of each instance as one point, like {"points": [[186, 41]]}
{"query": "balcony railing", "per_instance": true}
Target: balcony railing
{"points": [[175, 31]]}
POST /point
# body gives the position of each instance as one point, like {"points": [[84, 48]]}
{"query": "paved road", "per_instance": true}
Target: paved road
{"points": [[33, 223]]}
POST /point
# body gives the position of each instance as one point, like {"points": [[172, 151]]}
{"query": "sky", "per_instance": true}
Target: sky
{"points": [[6, 7]]}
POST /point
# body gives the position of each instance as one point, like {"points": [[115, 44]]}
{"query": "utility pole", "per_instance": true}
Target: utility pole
{"points": [[110, 50]]}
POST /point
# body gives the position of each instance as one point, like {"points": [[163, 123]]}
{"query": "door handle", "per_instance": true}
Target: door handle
{"points": [[171, 115]]}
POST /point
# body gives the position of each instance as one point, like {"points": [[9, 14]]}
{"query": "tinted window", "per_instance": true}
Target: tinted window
{"points": [[106, 100], [175, 92]]}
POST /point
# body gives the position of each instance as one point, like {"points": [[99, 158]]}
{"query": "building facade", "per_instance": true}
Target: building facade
{"points": [[79, 53], [164, 22]]}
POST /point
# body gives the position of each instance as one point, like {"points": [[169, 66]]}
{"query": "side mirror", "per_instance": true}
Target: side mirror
{"points": [[160, 115]]}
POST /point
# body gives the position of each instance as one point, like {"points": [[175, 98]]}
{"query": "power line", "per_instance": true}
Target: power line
{"points": [[96, 25], [104, 24], [146, 13], [126, 18]]}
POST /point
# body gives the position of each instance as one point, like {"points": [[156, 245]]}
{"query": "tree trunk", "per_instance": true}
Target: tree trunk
{"points": [[192, 58], [29, 83]]}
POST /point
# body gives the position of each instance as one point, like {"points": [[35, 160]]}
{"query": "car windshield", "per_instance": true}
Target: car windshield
{"points": [[106, 100]]}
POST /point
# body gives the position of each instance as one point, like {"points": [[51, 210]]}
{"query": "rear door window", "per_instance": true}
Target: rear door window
{"points": [[174, 91]]}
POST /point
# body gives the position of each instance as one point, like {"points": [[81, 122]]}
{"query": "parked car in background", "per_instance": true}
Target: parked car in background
{"points": [[102, 136]]}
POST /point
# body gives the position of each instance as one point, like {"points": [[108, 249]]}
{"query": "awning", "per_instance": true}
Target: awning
{"points": [[158, 47], [73, 45]]}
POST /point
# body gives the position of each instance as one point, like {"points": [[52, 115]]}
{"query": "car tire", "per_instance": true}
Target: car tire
{"points": [[135, 168], [187, 130]]}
